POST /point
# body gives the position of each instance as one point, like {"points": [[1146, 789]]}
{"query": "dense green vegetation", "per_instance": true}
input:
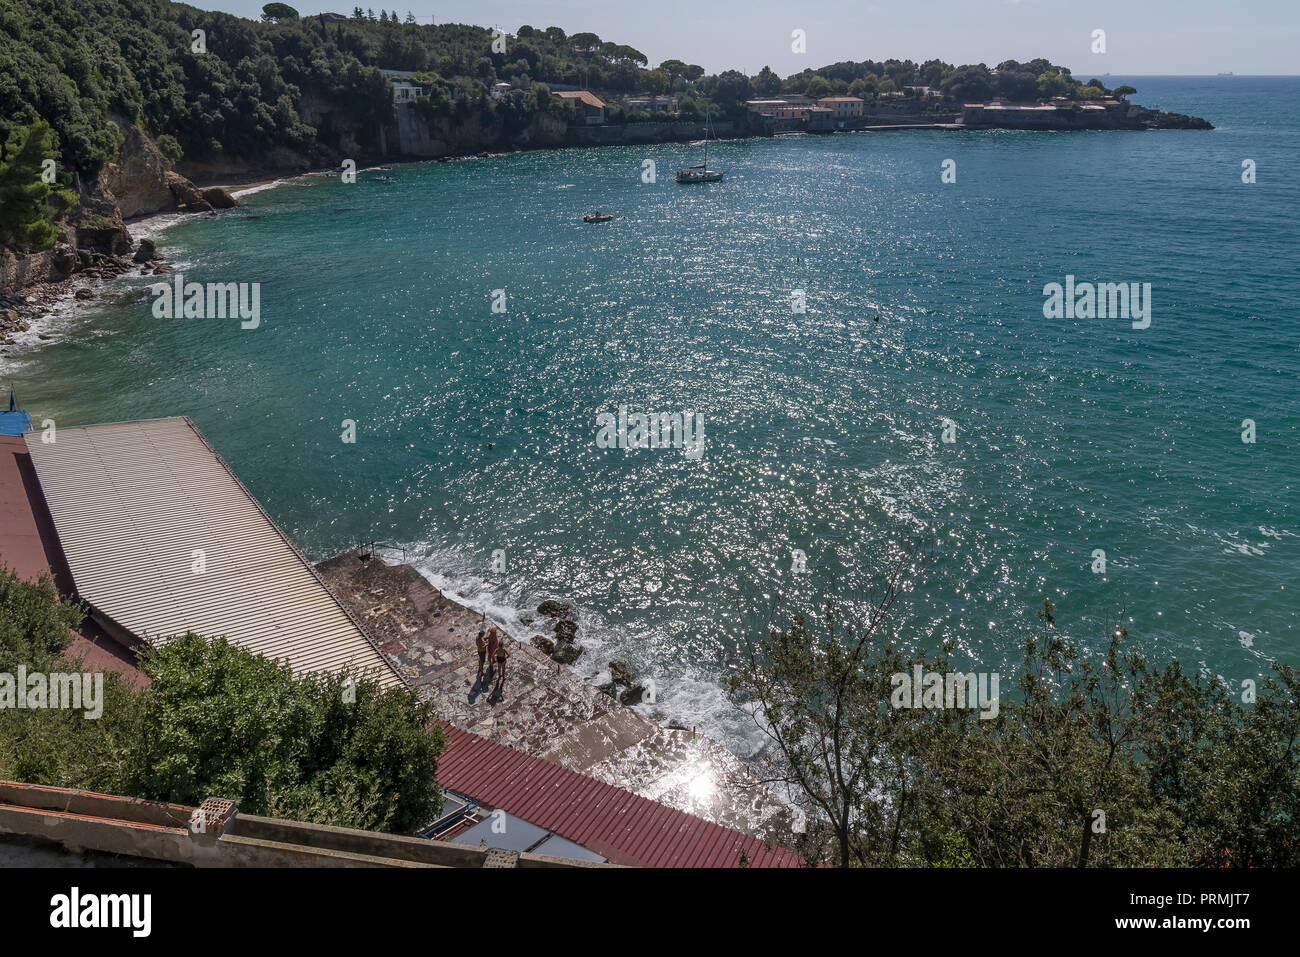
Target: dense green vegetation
{"points": [[245, 89], [76, 65], [1101, 761], [216, 721], [30, 200]]}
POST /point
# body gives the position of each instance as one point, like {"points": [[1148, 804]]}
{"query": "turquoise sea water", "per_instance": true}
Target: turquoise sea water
{"points": [[822, 429]]}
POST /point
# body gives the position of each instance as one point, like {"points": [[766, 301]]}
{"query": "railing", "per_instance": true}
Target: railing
{"points": [[368, 549]]}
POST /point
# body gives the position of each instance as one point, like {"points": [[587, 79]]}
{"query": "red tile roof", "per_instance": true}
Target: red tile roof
{"points": [[622, 826], [586, 96]]}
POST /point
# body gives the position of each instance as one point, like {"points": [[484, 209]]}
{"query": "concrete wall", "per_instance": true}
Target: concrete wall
{"points": [[84, 821]]}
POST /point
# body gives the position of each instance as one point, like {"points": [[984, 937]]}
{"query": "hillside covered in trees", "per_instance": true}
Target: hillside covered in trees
{"points": [[243, 88]]}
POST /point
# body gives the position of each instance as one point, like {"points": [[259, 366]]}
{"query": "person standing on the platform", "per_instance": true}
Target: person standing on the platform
{"points": [[481, 644], [501, 657]]}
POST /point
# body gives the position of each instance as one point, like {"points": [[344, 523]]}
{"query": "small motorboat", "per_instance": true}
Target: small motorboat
{"points": [[597, 217]]}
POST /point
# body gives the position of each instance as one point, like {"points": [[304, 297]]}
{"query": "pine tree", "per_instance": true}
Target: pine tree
{"points": [[25, 198]]}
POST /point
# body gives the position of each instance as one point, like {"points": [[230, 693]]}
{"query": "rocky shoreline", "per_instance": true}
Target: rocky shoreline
{"points": [[547, 710]]}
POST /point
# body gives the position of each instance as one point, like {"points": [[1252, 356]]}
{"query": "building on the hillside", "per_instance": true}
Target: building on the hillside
{"points": [[405, 92], [334, 17], [844, 107], [820, 119], [780, 109], [500, 89], [590, 107], [655, 104], [1056, 114]]}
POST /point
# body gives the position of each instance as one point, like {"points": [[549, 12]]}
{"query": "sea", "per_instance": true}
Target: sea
{"points": [[864, 346]]}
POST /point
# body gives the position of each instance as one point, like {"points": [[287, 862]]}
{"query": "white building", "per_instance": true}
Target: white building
{"points": [[404, 92]]}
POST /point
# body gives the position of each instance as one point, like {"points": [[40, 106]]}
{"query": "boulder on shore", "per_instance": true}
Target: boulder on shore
{"points": [[186, 194], [545, 644], [218, 197], [146, 252]]}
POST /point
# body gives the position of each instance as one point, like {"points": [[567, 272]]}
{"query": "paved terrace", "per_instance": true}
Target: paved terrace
{"points": [[548, 711]]}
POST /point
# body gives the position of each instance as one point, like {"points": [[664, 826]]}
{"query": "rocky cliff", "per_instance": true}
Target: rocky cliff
{"points": [[139, 181]]}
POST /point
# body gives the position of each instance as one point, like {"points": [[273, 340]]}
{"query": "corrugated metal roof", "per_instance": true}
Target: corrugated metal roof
{"points": [[626, 828], [131, 501]]}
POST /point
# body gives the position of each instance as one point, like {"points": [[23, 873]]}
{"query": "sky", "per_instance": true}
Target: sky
{"points": [[1141, 36]]}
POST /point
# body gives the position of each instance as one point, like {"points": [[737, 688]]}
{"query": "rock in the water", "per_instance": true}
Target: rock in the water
{"points": [[218, 197], [555, 609], [608, 688], [84, 293], [545, 644], [566, 630], [161, 268], [567, 652], [146, 251], [620, 673], [632, 695]]}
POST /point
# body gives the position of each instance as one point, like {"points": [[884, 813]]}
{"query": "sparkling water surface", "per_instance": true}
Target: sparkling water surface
{"points": [[476, 430]]}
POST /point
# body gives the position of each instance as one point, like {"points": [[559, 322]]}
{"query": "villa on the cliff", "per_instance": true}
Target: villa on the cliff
{"points": [[590, 107], [406, 92]]}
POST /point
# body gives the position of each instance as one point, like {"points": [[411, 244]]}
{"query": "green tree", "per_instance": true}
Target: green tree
{"points": [[821, 695], [216, 720], [675, 70], [818, 87], [27, 201], [767, 83], [655, 81], [278, 11]]}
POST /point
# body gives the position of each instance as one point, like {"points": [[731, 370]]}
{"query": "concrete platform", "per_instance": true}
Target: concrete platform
{"points": [[547, 710]]}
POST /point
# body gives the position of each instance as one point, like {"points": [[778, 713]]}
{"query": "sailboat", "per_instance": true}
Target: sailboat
{"points": [[701, 173]]}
